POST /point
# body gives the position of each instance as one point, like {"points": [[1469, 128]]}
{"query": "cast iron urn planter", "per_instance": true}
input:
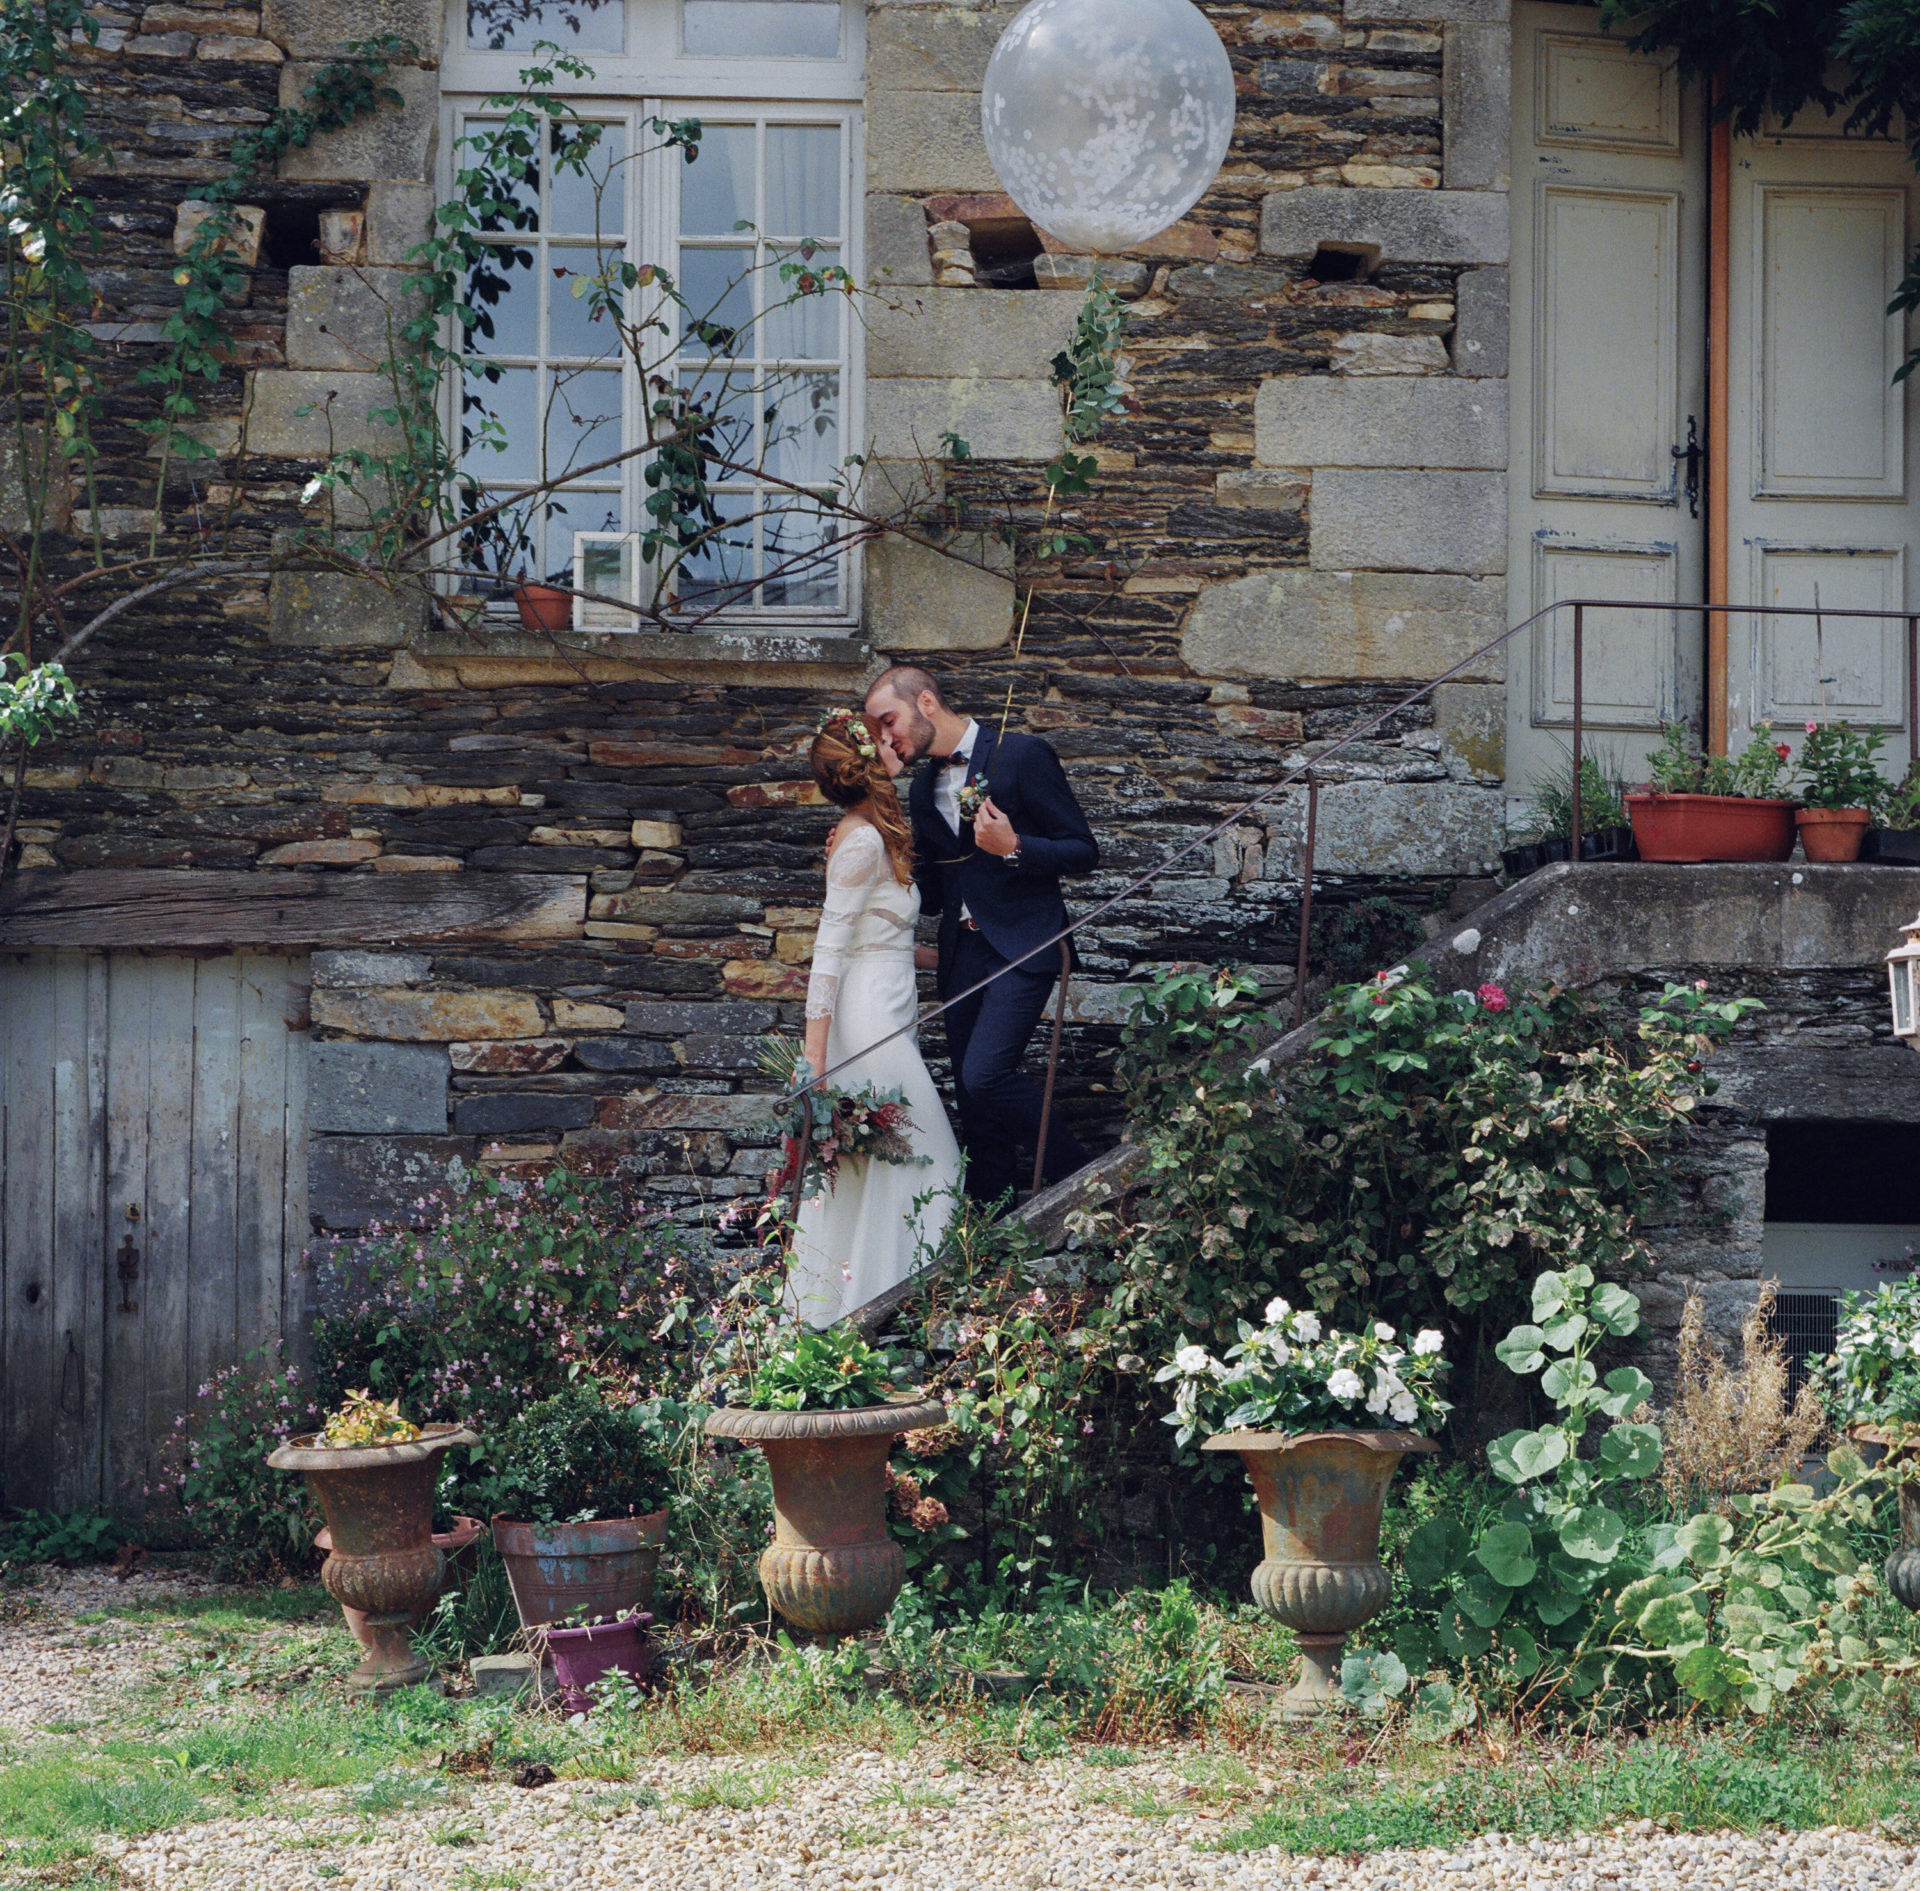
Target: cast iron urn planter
{"points": [[378, 1502], [1903, 1566], [1321, 1496], [831, 1568]]}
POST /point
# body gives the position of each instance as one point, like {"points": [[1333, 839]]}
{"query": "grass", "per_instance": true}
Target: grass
{"points": [[236, 1611], [1710, 1783]]}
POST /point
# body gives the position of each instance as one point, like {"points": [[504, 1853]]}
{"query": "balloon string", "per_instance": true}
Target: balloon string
{"points": [[1026, 610]]}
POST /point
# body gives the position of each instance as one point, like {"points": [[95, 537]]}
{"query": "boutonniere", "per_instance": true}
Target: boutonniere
{"points": [[972, 796]]}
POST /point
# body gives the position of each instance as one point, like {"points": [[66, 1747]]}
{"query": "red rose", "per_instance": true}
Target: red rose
{"points": [[1492, 998]]}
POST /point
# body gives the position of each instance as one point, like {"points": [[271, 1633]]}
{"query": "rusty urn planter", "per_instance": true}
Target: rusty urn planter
{"points": [[1903, 1566], [831, 1568], [378, 1503], [1831, 834], [456, 1545], [1696, 827], [1321, 1495], [587, 1572]]}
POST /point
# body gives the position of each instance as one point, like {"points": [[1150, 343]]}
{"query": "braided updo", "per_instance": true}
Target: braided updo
{"points": [[846, 764]]}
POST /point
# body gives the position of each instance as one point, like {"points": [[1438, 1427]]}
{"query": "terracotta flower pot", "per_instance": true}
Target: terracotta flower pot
{"points": [[582, 1656], [1694, 827], [1832, 833], [1321, 1495], [603, 1570], [543, 607], [378, 1502], [831, 1568], [456, 1545], [1903, 1566]]}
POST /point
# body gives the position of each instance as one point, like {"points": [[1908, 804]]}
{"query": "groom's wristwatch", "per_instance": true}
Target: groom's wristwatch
{"points": [[1012, 859]]}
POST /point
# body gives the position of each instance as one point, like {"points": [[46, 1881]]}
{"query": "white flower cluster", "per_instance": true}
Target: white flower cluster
{"points": [[1873, 1376], [1294, 1375]]}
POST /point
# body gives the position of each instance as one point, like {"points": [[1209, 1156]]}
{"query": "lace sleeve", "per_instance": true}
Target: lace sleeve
{"points": [[856, 866]]}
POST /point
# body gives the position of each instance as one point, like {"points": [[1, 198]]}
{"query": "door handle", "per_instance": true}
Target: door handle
{"points": [[126, 1263], [1692, 453]]}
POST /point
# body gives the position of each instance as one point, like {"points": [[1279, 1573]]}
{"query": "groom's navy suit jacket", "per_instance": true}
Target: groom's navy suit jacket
{"points": [[1016, 908]]}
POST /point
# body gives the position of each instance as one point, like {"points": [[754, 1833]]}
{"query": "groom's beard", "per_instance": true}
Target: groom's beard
{"points": [[919, 743]]}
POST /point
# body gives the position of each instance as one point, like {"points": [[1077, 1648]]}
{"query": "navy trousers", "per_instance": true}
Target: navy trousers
{"points": [[987, 1035]]}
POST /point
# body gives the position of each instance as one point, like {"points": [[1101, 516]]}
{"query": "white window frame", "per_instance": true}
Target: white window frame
{"points": [[626, 89]]}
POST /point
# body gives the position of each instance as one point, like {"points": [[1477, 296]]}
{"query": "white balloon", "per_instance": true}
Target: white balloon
{"points": [[1106, 120]]}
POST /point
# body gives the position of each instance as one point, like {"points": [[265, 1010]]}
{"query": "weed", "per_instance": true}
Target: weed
{"points": [[855, 1836], [736, 1790], [473, 1878], [457, 1836], [398, 1792], [1111, 1756], [911, 1798], [235, 1611]]}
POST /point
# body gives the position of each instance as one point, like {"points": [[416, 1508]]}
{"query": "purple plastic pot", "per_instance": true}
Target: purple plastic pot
{"points": [[582, 1656]]}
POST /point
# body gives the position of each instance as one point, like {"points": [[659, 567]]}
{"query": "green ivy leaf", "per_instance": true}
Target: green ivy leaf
{"points": [[1463, 1639], [1616, 1309], [1434, 1552], [1482, 1600], [1631, 1450], [1521, 1455], [1563, 1332], [1703, 1540], [1370, 1679], [1520, 1350], [1593, 1533], [1522, 1651], [1506, 1554], [1627, 1390]]}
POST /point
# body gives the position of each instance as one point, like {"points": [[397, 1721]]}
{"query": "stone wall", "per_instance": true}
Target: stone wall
{"points": [[1293, 522]]}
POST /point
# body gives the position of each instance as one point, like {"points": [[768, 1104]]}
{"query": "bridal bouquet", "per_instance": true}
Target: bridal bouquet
{"points": [[868, 1122]]}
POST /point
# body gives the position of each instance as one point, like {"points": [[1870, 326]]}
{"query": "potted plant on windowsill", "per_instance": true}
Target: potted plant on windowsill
{"points": [[824, 1409], [546, 606], [1896, 840], [1714, 807], [373, 1473], [583, 1522], [1286, 1398], [1605, 833], [1871, 1381], [1840, 766]]}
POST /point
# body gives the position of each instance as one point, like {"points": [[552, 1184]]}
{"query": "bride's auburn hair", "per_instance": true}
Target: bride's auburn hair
{"points": [[846, 764]]}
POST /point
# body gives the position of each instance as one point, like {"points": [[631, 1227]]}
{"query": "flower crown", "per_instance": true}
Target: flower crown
{"points": [[851, 726]]}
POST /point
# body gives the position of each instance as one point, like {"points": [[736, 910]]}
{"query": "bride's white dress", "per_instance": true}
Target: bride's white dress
{"points": [[862, 1236]]}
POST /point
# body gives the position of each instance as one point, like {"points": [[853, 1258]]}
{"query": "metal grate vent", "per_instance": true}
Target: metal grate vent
{"points": [[1806, 1323]]}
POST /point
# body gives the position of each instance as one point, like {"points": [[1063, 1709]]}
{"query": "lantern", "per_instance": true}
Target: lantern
{"points": [[1903, 975], [1106, 120]]}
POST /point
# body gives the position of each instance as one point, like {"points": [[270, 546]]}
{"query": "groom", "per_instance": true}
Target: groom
{"points": [[996, 886]]}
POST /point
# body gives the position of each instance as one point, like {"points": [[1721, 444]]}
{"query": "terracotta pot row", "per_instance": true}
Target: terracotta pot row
{"points": [[1702, 827]]}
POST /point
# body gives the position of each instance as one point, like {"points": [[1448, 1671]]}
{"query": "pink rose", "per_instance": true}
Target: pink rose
{"points": [[1492, 998]]}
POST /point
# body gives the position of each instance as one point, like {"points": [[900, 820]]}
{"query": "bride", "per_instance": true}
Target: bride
{"points": [[862, 1235]]}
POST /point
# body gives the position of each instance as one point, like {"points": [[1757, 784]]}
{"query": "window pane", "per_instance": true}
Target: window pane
{"points": [[574, 327], [803, 428], [801, 564], [721, 567], [583, 421], [502, 294], [796, 326], [716, 189], [803, 180], [718, 287], [729, 399], [498, 410], [517, 182], [504, 546], [762, 29], [511, 26], [590, 200]]}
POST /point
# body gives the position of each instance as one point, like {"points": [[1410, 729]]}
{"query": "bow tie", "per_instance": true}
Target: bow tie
{"points": [[955, 761]]}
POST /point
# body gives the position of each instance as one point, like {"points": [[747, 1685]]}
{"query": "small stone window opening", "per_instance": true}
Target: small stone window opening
{"points": [[1840, 1217], [1344, 262], [994, 252]]}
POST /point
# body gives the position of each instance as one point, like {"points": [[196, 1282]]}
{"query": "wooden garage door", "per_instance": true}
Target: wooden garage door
{"points": [[152, 1114]]}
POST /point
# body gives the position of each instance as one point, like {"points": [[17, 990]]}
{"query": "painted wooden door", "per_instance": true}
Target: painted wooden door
{"points": [[152, 1203], [1607, 375], [1822, 444]]}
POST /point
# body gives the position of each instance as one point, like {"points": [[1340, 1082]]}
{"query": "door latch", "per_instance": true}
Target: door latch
{"points": [[127, 1263], [1692, 453]]}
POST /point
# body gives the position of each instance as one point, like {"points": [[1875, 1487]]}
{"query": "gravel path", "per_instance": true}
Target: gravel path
{"points": [[900, 1825], [791, 1822], [59, 1673]]}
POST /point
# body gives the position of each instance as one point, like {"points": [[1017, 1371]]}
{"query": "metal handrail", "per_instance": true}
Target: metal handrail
{"points": [[1304, 773]]}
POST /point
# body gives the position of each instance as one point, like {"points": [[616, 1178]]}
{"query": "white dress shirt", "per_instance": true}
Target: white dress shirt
{"points": [[949, 781]]}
